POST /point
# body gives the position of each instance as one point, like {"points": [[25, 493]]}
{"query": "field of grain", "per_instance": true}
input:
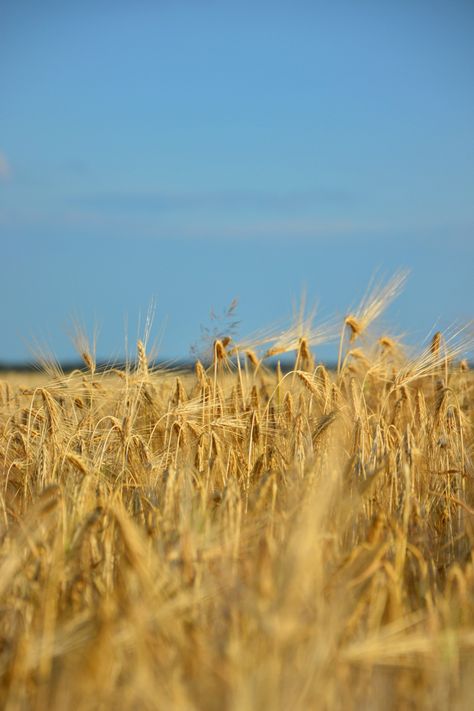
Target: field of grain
{"points": [[240, 537]]}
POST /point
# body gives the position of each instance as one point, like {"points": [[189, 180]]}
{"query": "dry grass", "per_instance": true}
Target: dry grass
{"points": [[241, 539]]}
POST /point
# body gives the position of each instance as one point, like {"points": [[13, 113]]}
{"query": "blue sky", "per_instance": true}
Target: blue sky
{"points": [[195, 152]]}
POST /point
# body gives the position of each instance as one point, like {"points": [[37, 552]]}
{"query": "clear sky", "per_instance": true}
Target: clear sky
{"points": [[193, 152]]}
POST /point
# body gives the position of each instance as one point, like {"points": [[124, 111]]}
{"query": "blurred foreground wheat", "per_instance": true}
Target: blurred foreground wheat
{"points": [[240, 538]]}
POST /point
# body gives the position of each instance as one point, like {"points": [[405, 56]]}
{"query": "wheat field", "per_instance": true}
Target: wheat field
{"points": [[242, 537]]}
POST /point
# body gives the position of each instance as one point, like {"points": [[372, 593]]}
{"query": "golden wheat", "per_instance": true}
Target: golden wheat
{"points": [[239, 538]]}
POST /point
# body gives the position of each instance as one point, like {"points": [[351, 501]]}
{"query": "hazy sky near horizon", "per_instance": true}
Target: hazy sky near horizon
{"points": [[195, 152]]}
